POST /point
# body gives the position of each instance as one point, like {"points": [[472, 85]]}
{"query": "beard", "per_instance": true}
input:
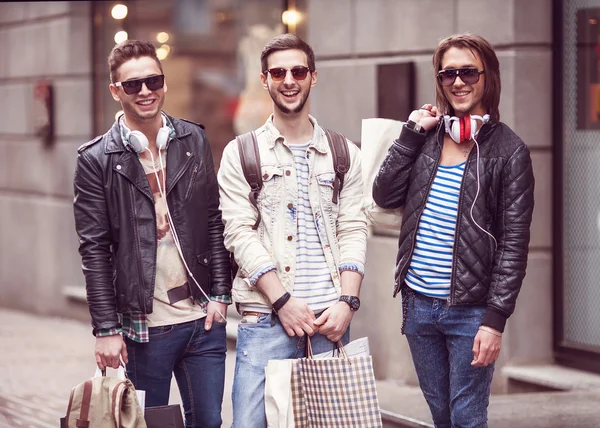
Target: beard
{"points": [[285, 109]]}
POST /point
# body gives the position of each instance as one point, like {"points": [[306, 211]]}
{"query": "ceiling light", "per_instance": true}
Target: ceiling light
{"points": [[119, 11], [162, 37], [291, 17], [121, 36]]}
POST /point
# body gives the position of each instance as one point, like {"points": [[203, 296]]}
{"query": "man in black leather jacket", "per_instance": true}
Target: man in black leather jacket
{"points": [[158, 276], [466, 184]]}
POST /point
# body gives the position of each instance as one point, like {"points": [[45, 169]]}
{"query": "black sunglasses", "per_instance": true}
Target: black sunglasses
{"points": [[468, 75], [279, 73], [153, 83]]}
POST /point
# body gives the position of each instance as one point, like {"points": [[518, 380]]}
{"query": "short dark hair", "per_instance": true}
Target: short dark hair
{"points": [[124, 51], [485, 51], [285, 42]]}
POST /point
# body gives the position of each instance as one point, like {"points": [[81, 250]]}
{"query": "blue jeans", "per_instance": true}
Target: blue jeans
{"points": [[441, 341], [256, 345], [196, 356]]}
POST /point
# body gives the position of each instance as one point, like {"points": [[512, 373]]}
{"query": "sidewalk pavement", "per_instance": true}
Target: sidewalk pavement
{"points": [[42, 358]]}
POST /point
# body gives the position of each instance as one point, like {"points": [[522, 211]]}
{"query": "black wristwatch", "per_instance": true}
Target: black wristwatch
{"points": [[353, 302], [414, 126]]}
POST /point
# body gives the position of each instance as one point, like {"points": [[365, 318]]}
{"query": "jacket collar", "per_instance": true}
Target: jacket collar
{"points": [[114, 141], [318, 142]]}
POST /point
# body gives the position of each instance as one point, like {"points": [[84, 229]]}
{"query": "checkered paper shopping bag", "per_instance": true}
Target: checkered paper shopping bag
{"points": [[297, 398], [287, 403], [335, 392]]}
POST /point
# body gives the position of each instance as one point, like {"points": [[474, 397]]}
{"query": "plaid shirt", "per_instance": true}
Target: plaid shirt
{"points": [[135, 326]]}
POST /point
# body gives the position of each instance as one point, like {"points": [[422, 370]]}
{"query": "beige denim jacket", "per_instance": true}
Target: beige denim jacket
{"points": [[342, 227]]}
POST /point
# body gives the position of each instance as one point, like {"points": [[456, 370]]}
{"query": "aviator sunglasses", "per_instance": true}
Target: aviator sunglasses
{"points": [[468, 75], [279, 73], [153, 83]]}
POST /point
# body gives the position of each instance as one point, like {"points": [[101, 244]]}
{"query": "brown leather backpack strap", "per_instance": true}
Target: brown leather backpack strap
{"points": [[84, 414], [341, 161], [250, 159]]}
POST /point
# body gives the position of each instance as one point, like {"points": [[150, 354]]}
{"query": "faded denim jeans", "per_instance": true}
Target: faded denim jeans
{"points": [[441, 341], [257, 343]]}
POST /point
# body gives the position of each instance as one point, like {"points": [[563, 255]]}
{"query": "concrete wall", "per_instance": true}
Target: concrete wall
{"points": [[52, 40], [38, 245], [350, 38]]}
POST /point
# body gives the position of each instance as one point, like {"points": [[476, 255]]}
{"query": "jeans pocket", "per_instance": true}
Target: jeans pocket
{"points": [[157, 332]]}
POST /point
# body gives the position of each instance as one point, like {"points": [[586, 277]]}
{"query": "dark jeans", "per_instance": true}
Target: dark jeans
{"points": [[441, 341], [196, 356]]}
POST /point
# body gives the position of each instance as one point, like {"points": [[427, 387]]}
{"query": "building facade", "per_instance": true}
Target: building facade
{"points": [[374, 60]]}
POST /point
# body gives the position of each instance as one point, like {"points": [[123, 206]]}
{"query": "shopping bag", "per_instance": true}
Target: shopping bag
{"points": [[284, 398], [377, 136], [278, 394], [164, 416], [337, 391]]}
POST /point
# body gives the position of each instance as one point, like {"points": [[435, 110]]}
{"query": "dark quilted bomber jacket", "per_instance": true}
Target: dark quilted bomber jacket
{"points": [[481, 273]]}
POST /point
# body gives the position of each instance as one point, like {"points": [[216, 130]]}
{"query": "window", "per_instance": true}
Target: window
{"points": [[577, 154], [210, 52]]}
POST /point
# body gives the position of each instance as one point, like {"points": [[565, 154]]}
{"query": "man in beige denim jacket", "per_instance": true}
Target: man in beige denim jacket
{"points": [[300, 271]]}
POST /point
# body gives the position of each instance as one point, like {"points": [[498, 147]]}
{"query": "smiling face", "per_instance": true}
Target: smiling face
{"points": [[146, 105], [465, 99], [289, 95]]}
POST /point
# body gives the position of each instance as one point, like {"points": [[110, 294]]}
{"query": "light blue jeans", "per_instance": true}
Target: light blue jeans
{"points": [[441, 342], [256, 345]]}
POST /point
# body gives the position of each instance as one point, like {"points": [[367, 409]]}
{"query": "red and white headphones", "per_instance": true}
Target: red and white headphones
{"points": [[465, 128]]}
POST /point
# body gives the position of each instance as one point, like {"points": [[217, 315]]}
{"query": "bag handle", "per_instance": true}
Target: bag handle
{"points": [[339, 346], [121, 374]]}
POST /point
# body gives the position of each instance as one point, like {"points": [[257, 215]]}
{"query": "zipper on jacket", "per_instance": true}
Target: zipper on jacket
{"points": [[139, 258], [188, 194], [458, 211], [414, 238]]}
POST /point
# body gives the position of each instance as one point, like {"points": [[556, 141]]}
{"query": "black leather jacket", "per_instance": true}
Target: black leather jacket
{"points": [[115, 219], [481, 273]]}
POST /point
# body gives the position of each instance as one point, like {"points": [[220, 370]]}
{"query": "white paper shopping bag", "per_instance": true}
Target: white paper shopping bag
{"points": [[377, 136], [278, 394]]}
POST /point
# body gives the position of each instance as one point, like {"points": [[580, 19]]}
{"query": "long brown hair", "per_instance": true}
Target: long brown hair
{"points": [[127, 50], [477, 45]]}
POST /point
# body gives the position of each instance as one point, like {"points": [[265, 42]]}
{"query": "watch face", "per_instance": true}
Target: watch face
{"points": [[353, 301]]}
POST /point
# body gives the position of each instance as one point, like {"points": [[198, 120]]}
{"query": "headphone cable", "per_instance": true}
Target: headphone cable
{"points": [[475, 199], [162, 190]]}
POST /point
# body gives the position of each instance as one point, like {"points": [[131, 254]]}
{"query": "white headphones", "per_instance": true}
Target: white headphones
{"points": [[466, 128], [139, 143]]}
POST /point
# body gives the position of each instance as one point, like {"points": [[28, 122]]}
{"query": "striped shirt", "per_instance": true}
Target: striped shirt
{"points": [[430, 268], [313, 283]]}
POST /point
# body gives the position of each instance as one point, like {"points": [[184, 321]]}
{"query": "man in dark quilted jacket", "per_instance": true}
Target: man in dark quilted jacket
{"points": [[465, 182]]}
